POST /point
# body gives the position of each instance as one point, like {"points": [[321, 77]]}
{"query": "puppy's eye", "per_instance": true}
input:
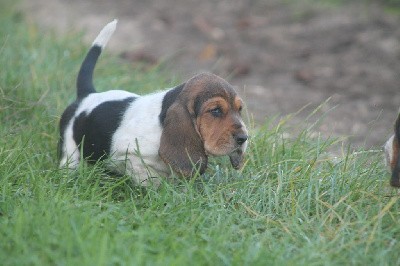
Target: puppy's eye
{"points": [[217, 112], [240, 109]]}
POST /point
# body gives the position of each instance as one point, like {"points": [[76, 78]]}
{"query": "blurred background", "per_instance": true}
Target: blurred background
{"points": [[282, 55]]}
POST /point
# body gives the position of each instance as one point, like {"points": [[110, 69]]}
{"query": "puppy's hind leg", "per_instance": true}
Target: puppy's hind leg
{"points": [[69, 154]]}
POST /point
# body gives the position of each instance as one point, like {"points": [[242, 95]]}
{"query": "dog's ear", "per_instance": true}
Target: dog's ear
{"points": [[181, 146], [395, 163]]}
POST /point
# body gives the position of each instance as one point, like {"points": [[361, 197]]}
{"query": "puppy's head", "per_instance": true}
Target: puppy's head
{"points": [[392, 155], [205, 119]]}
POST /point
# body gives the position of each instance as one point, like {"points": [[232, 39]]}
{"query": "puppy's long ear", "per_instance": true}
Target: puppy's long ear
{"points": [[181, 146]]}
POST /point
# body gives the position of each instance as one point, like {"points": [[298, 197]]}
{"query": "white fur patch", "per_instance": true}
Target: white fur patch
{"points": [[95, 99], [140, 128]]}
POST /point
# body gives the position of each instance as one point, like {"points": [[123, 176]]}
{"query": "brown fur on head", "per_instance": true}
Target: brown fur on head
{"points": [[392, 155], [204, 120]]}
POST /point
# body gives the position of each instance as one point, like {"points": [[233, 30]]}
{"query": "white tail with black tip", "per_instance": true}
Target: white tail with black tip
{"points": [[84, 82]]}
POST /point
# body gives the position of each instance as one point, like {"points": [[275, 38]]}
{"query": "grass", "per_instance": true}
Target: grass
{"points": [[292, 204]]}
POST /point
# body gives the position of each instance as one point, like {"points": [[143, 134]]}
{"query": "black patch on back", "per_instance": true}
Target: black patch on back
{"points": [[95, 130], [169, 99], [65, 118]]}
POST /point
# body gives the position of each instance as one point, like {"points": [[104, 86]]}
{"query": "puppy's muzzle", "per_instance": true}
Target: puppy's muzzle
{"points": [[240, 138], [237, 156]]}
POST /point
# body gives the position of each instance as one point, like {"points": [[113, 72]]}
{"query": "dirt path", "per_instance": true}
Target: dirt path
{"points": [[281, 57]]}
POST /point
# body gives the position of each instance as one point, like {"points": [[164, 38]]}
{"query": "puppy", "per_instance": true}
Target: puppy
{"points": [[147, 136], [392, 154]]}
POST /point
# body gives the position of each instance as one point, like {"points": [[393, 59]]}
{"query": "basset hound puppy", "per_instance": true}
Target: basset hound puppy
{"points": [[392, 154], [147, 136]]}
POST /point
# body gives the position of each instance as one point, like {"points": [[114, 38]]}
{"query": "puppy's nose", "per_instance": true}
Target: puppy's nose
{"points": [[241, 138]]}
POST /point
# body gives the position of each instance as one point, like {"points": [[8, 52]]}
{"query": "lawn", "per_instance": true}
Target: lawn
{"points": [[294, 203]]}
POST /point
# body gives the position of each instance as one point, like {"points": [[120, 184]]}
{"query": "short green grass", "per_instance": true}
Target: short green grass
{"points": [[292, 204]]}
